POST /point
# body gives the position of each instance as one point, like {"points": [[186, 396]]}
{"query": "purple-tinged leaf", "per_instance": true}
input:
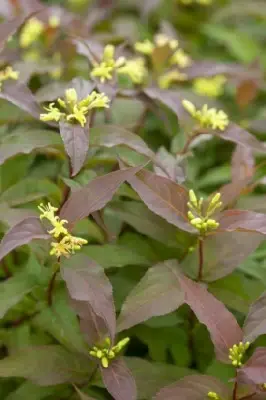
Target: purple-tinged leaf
{"points": [[169, 166], [12, 216], [243, 164], [212, 68], [194, 387], [87, 282], [254, 369], [255, 323], [95, 195], [243, 221], [21, 96], [164, 197], [119, 381], [82, 395], [169, 98], [221, 324], [22, 233], [231, 191], [92, 326], [113, 135], [47, 365], [157, 293], [223, 253], [247, 91], [82, 87], [238, 135], [25, 141], [8, 28], [76, 143], [51, 91]]}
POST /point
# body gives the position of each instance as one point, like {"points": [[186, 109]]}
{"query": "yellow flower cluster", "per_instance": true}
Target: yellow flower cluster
{"points": [[200, 2], [207, 117], [73, 110], [34, 28], [202, 222], [106, 353], [237, 352], [213, 396], [212, 87], [8, 73], [108, 66], [177, 58], [135, 69], [65, 243]]}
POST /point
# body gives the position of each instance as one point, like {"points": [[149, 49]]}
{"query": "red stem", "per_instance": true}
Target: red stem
{"points": [[200, 270]]}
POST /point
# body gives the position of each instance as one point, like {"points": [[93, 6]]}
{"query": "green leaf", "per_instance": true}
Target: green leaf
{"points": [[46, 365]]}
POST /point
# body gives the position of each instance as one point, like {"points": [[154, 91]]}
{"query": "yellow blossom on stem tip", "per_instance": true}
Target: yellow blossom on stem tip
{"points": [[213, 396], [181, 59], [106, 68], [166, 80], [201, 219], [8, 73], [237, 352], [31, 32], [212, 87], [146, 47], [135, 69], [74, 110], [207, 117], [105, 353], [65, 243]]}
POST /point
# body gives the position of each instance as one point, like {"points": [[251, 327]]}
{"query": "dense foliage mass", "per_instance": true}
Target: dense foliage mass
{"points": [[132, 204]]}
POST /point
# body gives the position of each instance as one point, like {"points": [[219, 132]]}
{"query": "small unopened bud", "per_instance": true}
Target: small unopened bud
{"points": [[105, 362], [109, 52], [190, 215], [71, 96], [193, 198], [215, 199], [196, 221], [99, 354], [191, 109], [212, 224]]}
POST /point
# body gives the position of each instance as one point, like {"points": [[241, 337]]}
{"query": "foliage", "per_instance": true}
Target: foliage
{"points": [[133, 218]]}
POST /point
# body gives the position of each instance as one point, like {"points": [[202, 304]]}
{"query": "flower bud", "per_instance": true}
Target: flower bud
{"points": [[193, 198], [190, 108]]}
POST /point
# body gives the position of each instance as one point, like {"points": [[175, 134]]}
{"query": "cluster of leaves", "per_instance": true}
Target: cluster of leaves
{"points": [[132, 200]]}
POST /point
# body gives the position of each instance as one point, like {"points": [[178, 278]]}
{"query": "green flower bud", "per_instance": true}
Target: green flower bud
{"points": [[215, 198], [105, 362], [190, 215], [193, 198]]}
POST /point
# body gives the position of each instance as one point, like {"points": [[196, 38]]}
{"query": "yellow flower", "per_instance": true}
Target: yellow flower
{"points": [[31, 32], [135, 69], [53, 113], [54, 21], [181, 59], [212, 87], [67, 244], [166, 80], [213, 396], [74, 110], [207, 117], [108, 65], [200, 218], [8, 73], [146, 47], [163, 40], [237, 352], [105, 353]]}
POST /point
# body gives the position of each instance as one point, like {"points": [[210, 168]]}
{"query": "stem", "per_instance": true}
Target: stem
{"points": [[200, 270], [248, 396], [51, 288], [235, 389], [6, 270]]}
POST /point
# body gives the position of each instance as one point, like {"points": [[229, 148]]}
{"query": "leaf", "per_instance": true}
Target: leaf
{"points": [[119, 381], [169, 166], [32, 139], [151, 376], [82, 395], [247, 91], [243, 221], [232, 191], [221, 324], [22, 233], [169, 98], [255, 323], [95, 195], [87, 282], [194, 387], [243, 163], [29, 189], [163, 196], [20, 95], [238, 135], [46, 365], [8, 28], [157, 293], [114, 255], [12, 216], [255, 368], [113, 135], [223, 253], [76, 143]]}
